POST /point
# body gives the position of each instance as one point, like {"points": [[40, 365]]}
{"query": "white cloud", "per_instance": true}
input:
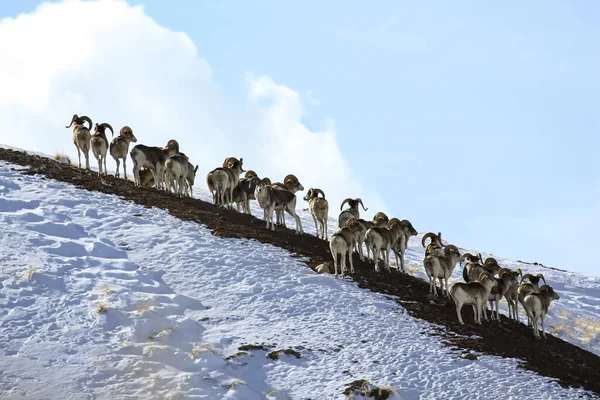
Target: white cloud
{"points": [[110, 61]]}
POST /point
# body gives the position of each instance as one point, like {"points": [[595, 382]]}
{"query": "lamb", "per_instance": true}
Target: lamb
{"points": [[81, 137], [351, 212], [269, 199], [341, 243], [99, 144], [319, 209], [536, 306], [440, 267], [474, 293], [119, 147], [153, 158]]}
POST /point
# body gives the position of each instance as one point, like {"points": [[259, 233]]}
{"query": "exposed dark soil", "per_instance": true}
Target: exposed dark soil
{"points": [[568, 364]]}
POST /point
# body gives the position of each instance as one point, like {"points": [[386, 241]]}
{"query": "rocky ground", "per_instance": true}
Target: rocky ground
{"points": [[568, 364]]}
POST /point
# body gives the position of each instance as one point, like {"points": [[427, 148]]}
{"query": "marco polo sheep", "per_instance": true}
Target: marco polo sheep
{"points": [[119, 148], [82, 137], [319, 209], [99, 144]]}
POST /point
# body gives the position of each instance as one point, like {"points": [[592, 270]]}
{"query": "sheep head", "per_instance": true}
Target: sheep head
{"points": [[250, 174], [101, 128], [79, 121], [127, 132]]}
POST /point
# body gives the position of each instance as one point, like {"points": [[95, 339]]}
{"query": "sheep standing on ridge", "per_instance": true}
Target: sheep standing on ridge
{"points": [[120, 146], [536, 307], [99, 144], [81, 137], [319, 209]]}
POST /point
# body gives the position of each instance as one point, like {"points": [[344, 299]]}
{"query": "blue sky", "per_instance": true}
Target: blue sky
{"points": [[475, 119]]}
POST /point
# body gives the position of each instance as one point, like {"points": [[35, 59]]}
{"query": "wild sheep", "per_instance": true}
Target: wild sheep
{"points": [[119, 147], [380, 219], [342, 243], [440, 267], [474, 293], [399, 247], [146, 177], [472, 269], [506, 279], [291, 184], [81, 137], [153, 158], [181, 173], [99, 144], [435, 246], [351, 212], [526, 288], [382, 238], [536, 307], [244, 192], [319, 210], [511, 294], [229, 164], [270, 199]]}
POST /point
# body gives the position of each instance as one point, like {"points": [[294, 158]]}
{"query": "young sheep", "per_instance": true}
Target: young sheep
{"points": [[119, 147], [341, 243], [351, 212], [440, 267], [99, 145], [319, 209], [536, 307], [474, 293], [81, 137]]}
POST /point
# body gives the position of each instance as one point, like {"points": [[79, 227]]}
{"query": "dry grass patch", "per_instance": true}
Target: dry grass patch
{"points": [[102, 308], [236, 355], [274, 355], [62, 158], [162, 333], [363, 387], [235, 383], [200, 349]]}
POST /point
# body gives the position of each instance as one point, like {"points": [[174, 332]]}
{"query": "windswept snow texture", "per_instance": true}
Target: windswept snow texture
{"points": [[101, 298]]}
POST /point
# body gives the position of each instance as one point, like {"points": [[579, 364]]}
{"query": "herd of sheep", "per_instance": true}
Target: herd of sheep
{"points": [[166, 168]]}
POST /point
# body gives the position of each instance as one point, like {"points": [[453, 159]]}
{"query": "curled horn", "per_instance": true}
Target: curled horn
{"points": [[173, 144], [242, 163], [265, 181], [344, 202], [523, 277], [518, 272], [428, 235], [72, 120], [452, 247], [361, 203], [394, 222], [124, 130], [290, 179], [483, 276], [107, 125], [542, 277], [504, 271], [250, 174], [479, 257], [317, 191], [86, 118], [228, 163]]}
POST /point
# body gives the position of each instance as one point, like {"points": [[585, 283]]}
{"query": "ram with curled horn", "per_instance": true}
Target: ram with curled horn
{"points": [[224, 180], [440, 267], [119, 147], [351, 212], [82, 137], [399, 247], [473, 268], [525, 288], [382, 238], [511, 295], [319, 210], [435, 246], [474, 293], [99, 144], [291, 184]]}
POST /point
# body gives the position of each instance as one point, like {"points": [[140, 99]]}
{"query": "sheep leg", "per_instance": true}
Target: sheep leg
{"points": [[343, 263], [124, 167], [458, 308], [292, 212], [335, 262], [350, 257], [325, 228], [117, 173], [317, 233], [86, 153], [78, 155], [543, 328], [105, 169]]}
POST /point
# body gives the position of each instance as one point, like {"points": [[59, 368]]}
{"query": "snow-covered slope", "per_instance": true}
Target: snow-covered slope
{"points": [[101, 298]]}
